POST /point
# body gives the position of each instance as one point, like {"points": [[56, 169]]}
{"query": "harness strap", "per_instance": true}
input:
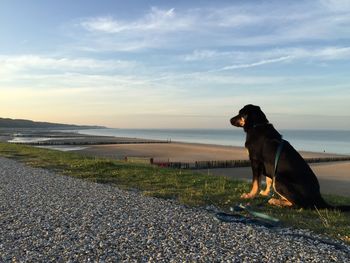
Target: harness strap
{"points": [[277, 158], [278, 155]]}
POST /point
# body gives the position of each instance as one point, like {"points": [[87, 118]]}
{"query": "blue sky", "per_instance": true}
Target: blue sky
{"points": [[175, 64]]}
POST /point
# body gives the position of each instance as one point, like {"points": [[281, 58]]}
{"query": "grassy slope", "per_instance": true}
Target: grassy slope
{"points": [[185, 186]]}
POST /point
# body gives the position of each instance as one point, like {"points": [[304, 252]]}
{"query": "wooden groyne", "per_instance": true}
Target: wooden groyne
{"points": [[204, 164], [327, 159], [234, 163]]}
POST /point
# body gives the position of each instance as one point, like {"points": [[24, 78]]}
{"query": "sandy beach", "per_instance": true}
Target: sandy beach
{"points": [[334, 177], [180, 152]]}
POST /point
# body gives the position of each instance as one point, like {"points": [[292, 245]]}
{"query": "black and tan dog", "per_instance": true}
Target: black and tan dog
{"points": [[286, 171]]}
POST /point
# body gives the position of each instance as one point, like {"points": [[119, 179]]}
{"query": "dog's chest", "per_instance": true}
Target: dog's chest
{"points": [[247, 151], [252, 153], [254, 150]]}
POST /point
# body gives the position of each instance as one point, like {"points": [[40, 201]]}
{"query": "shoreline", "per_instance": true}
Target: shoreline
{"points": [[333, 176], [330, 141], [78, 137], [183, 152], [121, 147]]}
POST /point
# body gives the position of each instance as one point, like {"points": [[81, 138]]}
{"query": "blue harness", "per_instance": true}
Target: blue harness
{"points": [[279, 149], [277, 157]]}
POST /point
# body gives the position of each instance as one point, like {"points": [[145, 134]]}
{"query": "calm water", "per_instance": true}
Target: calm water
{"points": [[308, 140]]}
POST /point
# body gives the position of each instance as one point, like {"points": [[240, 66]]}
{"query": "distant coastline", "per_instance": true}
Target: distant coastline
{"points": [[7, 123]]}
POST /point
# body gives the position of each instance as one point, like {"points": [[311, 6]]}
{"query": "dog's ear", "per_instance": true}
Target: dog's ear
{"points": [[255, 116]]}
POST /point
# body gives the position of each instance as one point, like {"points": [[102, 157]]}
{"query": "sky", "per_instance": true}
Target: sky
{"points": [[175, 64]]}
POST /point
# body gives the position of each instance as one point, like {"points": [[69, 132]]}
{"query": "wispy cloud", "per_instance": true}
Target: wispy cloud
{"points": [[206, 54], [253, 58], [156, 20], [234, 25], [336, 5], [103, 24], [60, 64], [255, 64], [47, 73], [325, 53]]}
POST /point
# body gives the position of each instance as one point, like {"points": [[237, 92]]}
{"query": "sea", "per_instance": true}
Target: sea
{"points": [[329, 141]]}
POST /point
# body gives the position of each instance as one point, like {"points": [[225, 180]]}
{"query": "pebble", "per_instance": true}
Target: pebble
{"points": [[45, 217]]}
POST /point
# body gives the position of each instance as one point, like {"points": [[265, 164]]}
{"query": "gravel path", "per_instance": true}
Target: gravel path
{"points": [[46, 217]]}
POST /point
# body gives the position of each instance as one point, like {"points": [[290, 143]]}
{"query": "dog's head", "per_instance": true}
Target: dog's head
{"points": [[249, 116]]}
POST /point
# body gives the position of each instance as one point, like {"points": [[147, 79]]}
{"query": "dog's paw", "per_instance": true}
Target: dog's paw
{"points": [[274, 201], [265, 192], [280, 202], [248, 196]]}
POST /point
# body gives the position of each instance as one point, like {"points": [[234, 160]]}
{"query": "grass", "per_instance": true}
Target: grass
{"points": [[186, 187]]}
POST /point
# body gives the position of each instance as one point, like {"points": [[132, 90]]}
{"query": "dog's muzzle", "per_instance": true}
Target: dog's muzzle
{"points": [[238, 121]]}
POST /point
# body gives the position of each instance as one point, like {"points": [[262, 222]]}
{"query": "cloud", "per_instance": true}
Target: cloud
{"points": [[77, 76], [267, 56], [154, 29], [336, 5], [156, 20], [205, 79], [205, 54], [169, 20], [61, 64], [235, 25], [253, 58], [255, 64], [326, 53], [103, 24]]}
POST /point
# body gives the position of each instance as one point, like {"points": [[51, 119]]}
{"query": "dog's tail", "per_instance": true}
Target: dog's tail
{"points": [[343, 208], [323, 204]]}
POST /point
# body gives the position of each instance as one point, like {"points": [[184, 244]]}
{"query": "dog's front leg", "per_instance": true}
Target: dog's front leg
{"points": [[257, 171], [267, 191]]}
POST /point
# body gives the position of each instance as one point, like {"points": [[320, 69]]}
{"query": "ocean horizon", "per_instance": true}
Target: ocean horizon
{"points": [[329, 141]]}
